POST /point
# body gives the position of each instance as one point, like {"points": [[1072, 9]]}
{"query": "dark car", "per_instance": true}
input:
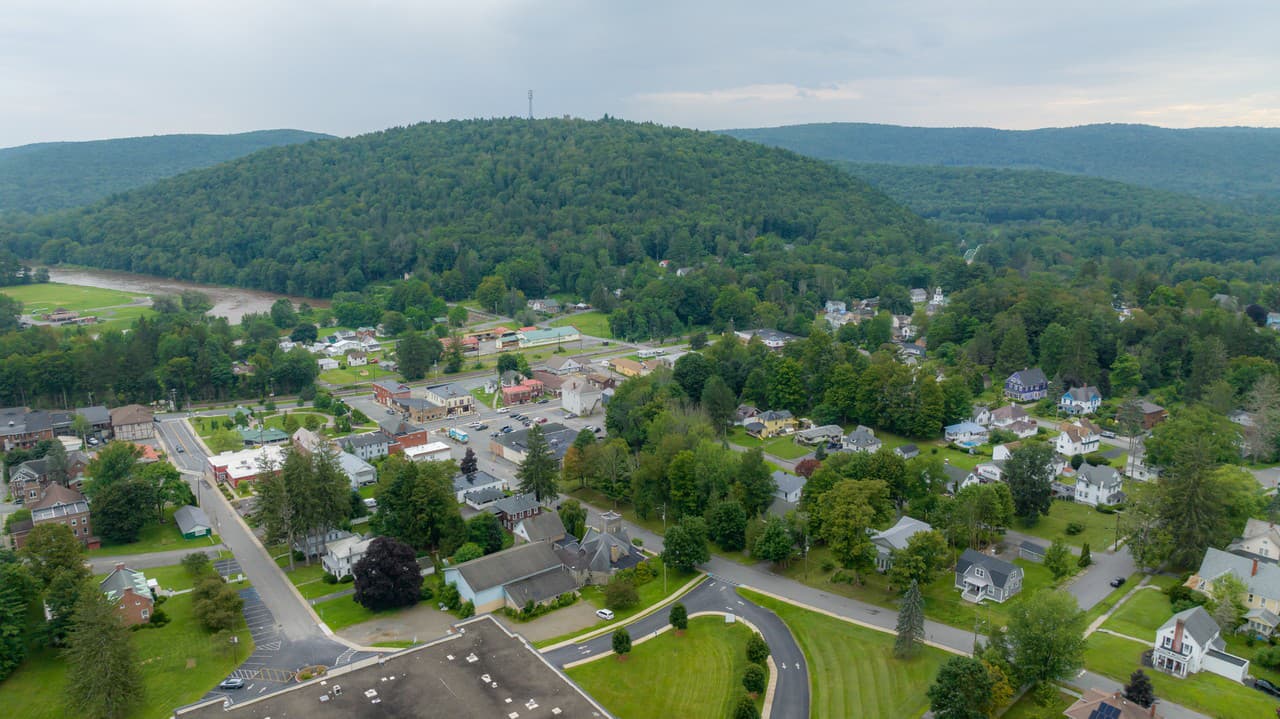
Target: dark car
{"points": [[482, 426], [1117, 581], [232, 683], [543, 401], [1263, 685]]}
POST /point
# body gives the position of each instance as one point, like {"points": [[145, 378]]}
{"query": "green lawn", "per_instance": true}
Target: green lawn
{"points": [[696, 675], [52, 295], [1141, 615], [650, 593], [1026, 707], [156, 537], [1118, 658], [1099, 529], [942, 600], [484, 398], [1111, 599], [120, 318], [310, 581], [354, 375], [594, 324], [179, 665], [342, 612], [784, 447], [173, 577], [852, 670]]}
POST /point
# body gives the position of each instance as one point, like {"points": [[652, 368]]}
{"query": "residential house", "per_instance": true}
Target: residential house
{"points": [[192, 522], [957, 477], [1027, 385], [549, 336], [357, 358], [453, 397], [601, 553], [561, 365], [512, 446], [20, 428], [552, 384], [1079, 437], [245, 465], [58, 505], [429, 452], [992, 471], [401, 435], [1097, 704], [550, 306], [825, 434], [308, 441], [99, 419], [386, 391], [462, 485], [1261, 580], [745, 413], [1005, 451], [342, 347], [510, 378], [895, 538], [315, 543], [1080, 400], [28, 480], [835, 307], [771, 423], [1005, 416], [919, 295], [787, 487], [981, 577], [862, 439], [127, 589], [1260, 540], [907, 451], [340, 556], [1152, 414], [901, 328], [1098, 485], [773, 339], [579, 397], [483, 498], [367, 445], [512, 577], [631, 368], [981, 415], [327, 363], [541, 527], [966, 434], [359, 472], [1190, 642], [527, 391], [132, 422], [512, 509]]}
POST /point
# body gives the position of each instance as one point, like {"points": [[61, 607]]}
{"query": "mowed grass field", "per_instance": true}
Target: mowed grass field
{"points": [[592, 324], [695, 676], [52, 295], [1099, 529], [852, 670], [179, 665]]}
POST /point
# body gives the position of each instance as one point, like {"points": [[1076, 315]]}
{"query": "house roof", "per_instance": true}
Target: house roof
{"points": [[1011, 413], [1029, 377], [262, 434], [907, 449], [1262, 615], [1149, 407], [95, 415], [775, 415], [391, 386], [514, 504], [541, 587], [509, 565], [1097, 704], [1196, 623], [481, 479], [56, 495], [353, 466], [448, 390], [1265, 582], [484, 495], [130, 414], [348, 545], [121, 579], [896, 537], [1253, 529], [862, 437], [1080, 430], [366, 439], [560, 362], [1083, 394], [559, 439], [1032, 547], [998, 569], [191, 518], [745, 410], [955, 475], [1099, 476], [965, 427], [544, 526], [787, 483]]}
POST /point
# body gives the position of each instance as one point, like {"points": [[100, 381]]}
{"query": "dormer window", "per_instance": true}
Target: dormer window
{"points": [[979, 572]]}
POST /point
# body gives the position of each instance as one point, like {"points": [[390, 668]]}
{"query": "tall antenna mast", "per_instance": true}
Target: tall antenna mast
{"points": [[531, 104]]}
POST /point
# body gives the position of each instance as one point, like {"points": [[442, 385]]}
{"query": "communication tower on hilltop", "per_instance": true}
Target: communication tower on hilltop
{"points": [[531, 104]]}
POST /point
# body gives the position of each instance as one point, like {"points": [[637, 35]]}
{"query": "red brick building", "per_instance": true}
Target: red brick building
{"points": [[128, 590], [58, 505], [402, 435], [386, 391]]}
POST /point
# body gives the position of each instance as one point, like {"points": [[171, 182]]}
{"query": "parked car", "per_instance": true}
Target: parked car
{"points": [[481, 426], [1263, 685], [1117, 581], [371, 503], [544, 400], [93, 441], [541, 420], [503, 410], [391, 411], [605, 614], [1108, 434], [231, 683], [506, 430]]}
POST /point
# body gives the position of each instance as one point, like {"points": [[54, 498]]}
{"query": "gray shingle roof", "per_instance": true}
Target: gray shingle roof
{"points": [[1098, 476], [541, 587], [1029, 377], [998, 569], [1265, 583], [514, 504], [484, 496], [896, 537], [191, 518], [509, 565], [482, 479], [365, 439], [544, 526], [787, 483], [1196, 622]]}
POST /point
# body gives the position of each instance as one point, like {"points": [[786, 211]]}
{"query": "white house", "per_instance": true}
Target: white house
{"points": [[429, 452], [357, 358], [359, 472], [919, 295], [561, 365], [980, 577], [340, 556], [992, 471], [1260, 539], [1079, 437], [327, 363], [342, 347], [1080, 400], [981, 415], [787, 487], [862, 439], [580, 397], [835, 307], [1098, 485], [1007, 415], [894, 539], [481, 480], [367, 445], [1189, 642], [966, 433]]}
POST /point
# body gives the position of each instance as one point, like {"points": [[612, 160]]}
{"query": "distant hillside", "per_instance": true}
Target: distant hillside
{"points": [[1219, 162], [553, 205], [56, 175], [983, 203]]}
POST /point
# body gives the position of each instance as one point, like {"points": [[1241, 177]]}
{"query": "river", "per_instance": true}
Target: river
{"points": [[230, 302]]}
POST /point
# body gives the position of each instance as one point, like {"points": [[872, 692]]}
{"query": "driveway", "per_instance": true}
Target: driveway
{"points": [[791, 696]]}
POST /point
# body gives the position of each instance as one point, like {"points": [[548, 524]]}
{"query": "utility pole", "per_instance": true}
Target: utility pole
{"points": [[531, 104]]}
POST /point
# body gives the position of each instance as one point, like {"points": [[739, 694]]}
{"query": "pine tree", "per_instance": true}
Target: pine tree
{"points": [[679, 617], [103, 679], [910, 623], [621, 643], [1139, 689], [1085, 560], [537, 473]]}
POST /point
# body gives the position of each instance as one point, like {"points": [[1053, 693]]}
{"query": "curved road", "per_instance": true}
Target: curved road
{"points": [[791, 695]]}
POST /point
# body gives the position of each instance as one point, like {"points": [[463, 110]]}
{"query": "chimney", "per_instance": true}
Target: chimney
{"points": [[1254, 571], [612, 522], [1177, 637]]}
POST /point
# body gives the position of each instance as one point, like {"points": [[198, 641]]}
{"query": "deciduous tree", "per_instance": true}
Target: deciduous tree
{"points": [[216, 604], [961, 690], [774, 544], [387, 576], [1029, 473], [1046, 631], [621, 643]]}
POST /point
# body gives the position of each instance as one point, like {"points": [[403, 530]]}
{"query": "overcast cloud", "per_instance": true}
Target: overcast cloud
{"points": [[84, 70]]}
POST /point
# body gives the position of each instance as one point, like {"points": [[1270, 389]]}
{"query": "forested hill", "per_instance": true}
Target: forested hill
{"points": [[1217, 162], [56, 175], [551, 205], [980, 203]]}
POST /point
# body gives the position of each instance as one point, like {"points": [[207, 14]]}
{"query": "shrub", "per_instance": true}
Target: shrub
{"points": [[757, 649], [158, 618], [746, 709], [1268, 657], [566, 599], [620, 595], [828, 565], [449, 596], [161, 600], [347, 579], [1105, 509], [644, 573], [467, 610], [329, 578], [298, 556], [426, 593], [754, 678], [1074, 528], [638, 542], [304, 676]]}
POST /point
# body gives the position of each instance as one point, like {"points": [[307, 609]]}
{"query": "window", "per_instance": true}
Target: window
{"points": [[73, 522], [979, 572], [1251, 599], [145, 614]]}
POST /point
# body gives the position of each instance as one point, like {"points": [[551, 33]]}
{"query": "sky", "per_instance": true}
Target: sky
{"points": [[88, 70]]}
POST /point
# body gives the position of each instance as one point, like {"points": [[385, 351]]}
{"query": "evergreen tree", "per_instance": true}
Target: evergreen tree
{"points": [[1085, 558], [621, 643], [910, 623], [1014, 352], [469, 465], [678, 617], [1139, 689], [537, 473], [103, 678]]}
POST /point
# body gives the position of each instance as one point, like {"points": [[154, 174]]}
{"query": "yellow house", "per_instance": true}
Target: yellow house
{"points": [[771, 424], [1261, 579]]}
